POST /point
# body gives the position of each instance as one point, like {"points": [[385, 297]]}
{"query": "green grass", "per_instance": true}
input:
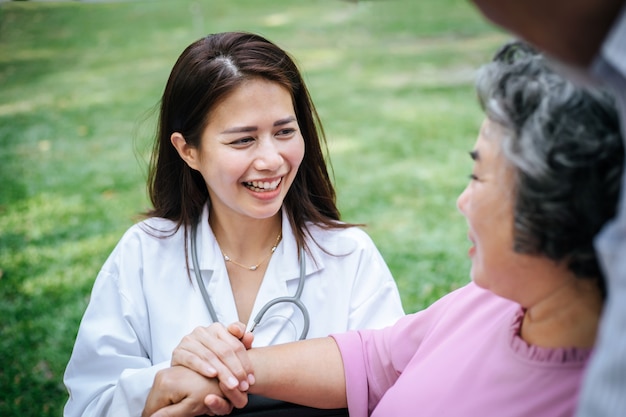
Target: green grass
{"points": [[79, 82]]}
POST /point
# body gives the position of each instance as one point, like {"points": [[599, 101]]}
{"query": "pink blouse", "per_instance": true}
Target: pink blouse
{"points": [[462, 356]]}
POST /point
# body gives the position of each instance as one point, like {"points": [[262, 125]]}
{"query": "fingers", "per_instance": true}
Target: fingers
{"points": [[182, 409], [180, 392], [191, 354], [237, 398], [247, 340], [237, 329], [160, 394], [217, 405], [214, 351]]}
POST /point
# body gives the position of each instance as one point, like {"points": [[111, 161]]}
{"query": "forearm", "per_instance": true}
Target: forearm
{"points": [[569, 31], [576, 37], [309, 372]]}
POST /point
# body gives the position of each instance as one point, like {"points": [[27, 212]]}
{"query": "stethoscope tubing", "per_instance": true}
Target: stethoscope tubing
{"points": [[196, 269], [295, 299]]}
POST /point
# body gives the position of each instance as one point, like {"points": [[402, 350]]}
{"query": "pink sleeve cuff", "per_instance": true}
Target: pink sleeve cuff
{"points": [[351, 348]]}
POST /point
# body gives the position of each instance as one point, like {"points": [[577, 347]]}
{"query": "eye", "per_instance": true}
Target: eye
{"points": [[242, 141], [286, 133]]}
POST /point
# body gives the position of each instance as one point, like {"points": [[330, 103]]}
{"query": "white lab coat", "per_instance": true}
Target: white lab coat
{"points": [[143, 302]]}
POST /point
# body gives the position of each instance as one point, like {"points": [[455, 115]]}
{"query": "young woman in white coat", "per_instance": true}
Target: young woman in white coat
{"points": [[242, 204]]}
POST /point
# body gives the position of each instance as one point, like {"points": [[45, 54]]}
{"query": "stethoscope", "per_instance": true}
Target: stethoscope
{"points": [[295, 300]]}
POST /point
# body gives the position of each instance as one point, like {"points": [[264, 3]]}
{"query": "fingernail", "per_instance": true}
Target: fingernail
{"points": [[251, 379], [232, 382], [211, 371], [243, 386]]}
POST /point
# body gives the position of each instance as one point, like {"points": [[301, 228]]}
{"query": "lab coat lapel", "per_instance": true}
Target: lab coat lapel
{"points": [[214, 274]]}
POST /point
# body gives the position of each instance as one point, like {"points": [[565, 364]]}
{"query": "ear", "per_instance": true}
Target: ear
{"points": [[188, 153]]}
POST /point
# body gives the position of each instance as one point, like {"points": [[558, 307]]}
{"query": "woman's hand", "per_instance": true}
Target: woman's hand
{"points": [[218, 352], [181, 392]]}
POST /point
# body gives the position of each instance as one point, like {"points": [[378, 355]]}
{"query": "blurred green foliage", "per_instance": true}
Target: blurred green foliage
{"points": [[79, 85]]}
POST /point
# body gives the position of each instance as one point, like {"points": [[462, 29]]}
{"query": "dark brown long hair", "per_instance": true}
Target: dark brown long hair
{"points": [[204, 74]]}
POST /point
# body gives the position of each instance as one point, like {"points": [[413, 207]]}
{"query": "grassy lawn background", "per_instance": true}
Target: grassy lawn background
{"points": [[79, 85]]}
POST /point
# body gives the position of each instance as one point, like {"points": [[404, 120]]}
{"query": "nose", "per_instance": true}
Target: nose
{"points": [[461, 201], [268, 155]]}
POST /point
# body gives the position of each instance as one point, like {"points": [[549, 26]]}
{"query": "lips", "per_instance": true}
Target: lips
{"points": [[472, 249], [263, 186]]}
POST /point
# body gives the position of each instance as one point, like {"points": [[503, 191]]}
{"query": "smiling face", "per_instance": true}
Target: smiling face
{"points": [[487, 206], [250, 150]]}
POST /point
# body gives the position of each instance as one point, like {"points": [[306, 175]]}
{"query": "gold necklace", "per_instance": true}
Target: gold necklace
{"points": [[251, 267]]}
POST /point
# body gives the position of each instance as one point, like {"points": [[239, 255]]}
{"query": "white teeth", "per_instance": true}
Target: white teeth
{"points": [[263, 185]]}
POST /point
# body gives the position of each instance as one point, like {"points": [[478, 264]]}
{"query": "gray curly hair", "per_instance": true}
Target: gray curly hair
{"points": [[564, 146]]}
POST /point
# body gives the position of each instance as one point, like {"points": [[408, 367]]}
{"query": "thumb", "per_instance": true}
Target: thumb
{"points": [[217, 405], [237, 329], [247, 340]]}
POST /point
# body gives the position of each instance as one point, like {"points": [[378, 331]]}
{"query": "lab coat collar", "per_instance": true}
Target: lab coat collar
{"points": [[284, 264]]}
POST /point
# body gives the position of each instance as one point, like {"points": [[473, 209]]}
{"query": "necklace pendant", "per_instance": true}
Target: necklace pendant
{"points": [[252, 267]]}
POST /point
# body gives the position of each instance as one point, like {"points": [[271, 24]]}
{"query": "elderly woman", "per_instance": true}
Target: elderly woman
{"points": [[517, 339]]}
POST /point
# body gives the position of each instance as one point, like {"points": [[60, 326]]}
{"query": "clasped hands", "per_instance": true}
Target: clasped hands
{"points": [[210, 374]]}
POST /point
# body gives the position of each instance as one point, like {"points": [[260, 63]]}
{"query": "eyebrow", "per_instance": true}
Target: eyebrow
{"points": [[474, 155], [244, 129], [285, 121]]}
